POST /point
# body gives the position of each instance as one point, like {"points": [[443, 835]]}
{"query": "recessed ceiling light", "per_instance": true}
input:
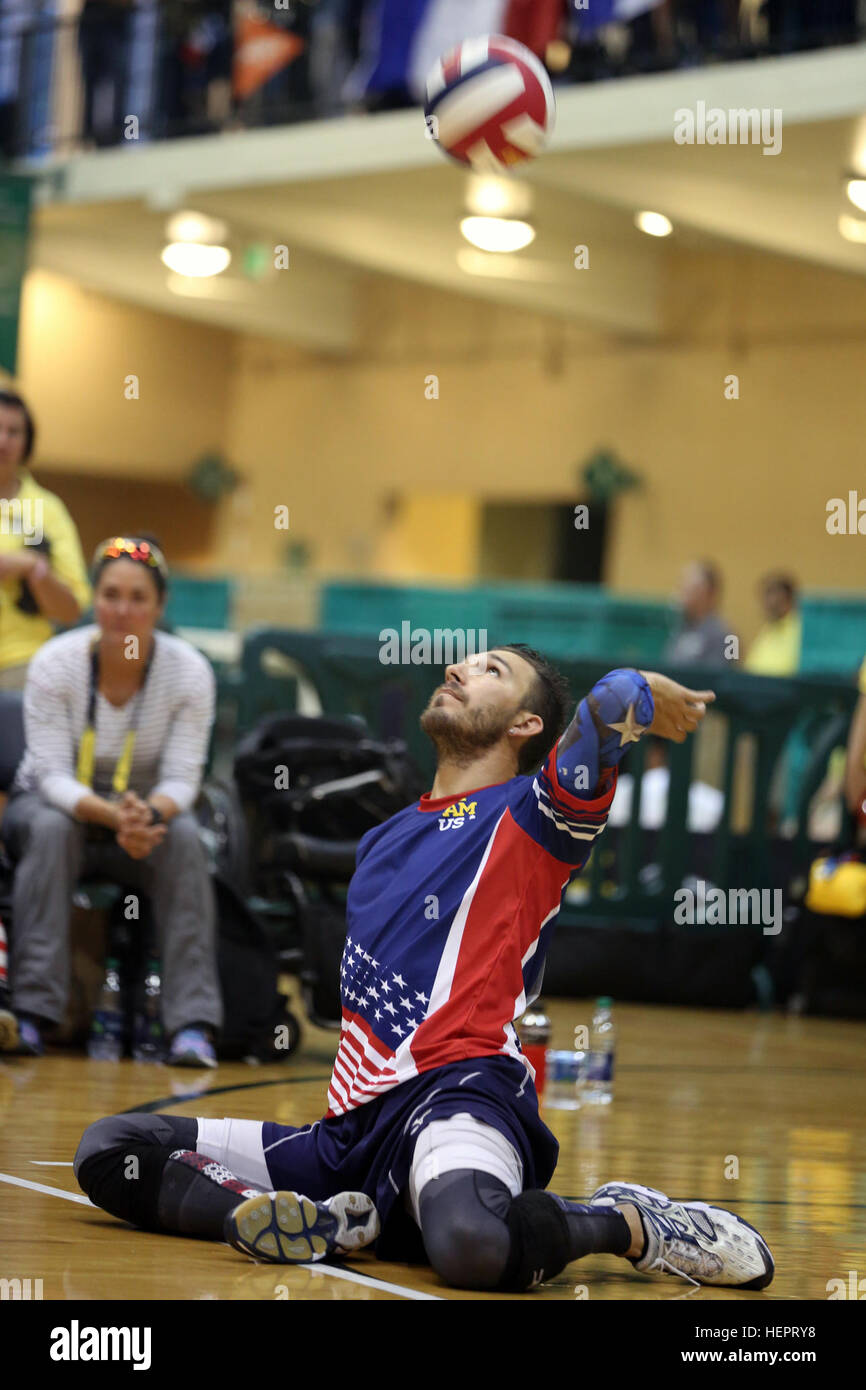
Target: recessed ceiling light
{"points": [[189, 258], [856, 190], [487, 195], [194, 226], [497, 233], [653, 223], [852, 228]]}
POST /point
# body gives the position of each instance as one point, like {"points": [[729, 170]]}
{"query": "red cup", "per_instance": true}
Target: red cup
{"points": [[536, 1055]]}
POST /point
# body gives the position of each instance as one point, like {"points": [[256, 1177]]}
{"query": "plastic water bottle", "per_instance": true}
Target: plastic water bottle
{"points": [[564, 1071], [535, 1031], [147, 1031], [105, 1043], [597, 1084]]}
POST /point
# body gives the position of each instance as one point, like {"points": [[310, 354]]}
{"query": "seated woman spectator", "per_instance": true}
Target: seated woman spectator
{"points": [[43, 578], [117, 721]]}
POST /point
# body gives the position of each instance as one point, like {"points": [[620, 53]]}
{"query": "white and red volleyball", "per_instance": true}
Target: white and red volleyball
{"points": [[490, 103]]}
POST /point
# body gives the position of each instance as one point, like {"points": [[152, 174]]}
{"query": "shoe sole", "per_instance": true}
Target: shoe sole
{"points": [[288, 1228], [650, 1197], [8, 1031]]}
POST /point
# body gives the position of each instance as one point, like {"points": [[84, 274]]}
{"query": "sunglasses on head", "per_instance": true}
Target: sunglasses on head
{"points": [[122, 546]]}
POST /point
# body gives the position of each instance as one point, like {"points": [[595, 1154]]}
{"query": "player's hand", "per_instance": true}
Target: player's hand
{"points": [[678, 710]]}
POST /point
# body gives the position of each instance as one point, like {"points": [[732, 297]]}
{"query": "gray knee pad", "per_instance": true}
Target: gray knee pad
{"points": [[113, 1132], [464, 1229]]}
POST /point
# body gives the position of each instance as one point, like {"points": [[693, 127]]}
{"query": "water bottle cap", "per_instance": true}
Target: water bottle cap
{"points": [[604, 1001]]}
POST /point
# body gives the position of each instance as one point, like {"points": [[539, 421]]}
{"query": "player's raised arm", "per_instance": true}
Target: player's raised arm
{"points": [[565, 807]]}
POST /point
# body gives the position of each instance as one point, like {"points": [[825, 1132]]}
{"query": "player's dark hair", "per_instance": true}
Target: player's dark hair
{"points": [[12, 398], [550, 697]]}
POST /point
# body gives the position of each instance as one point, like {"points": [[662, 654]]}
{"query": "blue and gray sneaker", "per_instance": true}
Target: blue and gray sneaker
{"points": [[701, 1243], [285, 1228], [30, 1042], [191, 1048]]}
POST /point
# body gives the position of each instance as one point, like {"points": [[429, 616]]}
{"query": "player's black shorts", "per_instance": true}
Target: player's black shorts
{"points": [[370, 1149]]}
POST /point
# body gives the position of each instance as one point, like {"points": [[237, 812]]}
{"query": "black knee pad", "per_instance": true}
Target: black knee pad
{"points": [[126, 1181], [111, 1133], [120, 1160], [540, 1241]]}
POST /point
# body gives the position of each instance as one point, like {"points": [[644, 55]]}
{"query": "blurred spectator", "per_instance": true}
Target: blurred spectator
{"points": [[103, 41], [15, 15], [700, 639], [810, 23], [118, 718], [196, 47], [776, 649], [855, 763], [43, 579]]}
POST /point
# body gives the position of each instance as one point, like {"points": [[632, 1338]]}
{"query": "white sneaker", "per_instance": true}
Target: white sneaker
{"points": [[701, 1243]]}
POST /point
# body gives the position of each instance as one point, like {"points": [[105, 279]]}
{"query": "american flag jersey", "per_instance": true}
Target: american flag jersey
{"points": [[453, 901]]}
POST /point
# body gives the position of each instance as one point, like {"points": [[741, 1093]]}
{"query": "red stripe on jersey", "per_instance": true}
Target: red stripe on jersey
{"points": [[516, 886], [592, 807], [357, 1076]]}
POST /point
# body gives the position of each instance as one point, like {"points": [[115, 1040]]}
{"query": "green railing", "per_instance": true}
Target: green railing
{"points": [[348, 677]]}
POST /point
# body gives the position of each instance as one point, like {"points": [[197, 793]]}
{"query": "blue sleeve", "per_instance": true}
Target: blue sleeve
{"points": [[564, 807]]}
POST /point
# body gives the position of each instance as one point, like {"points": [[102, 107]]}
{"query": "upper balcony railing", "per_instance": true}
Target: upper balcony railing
{"points": [[148, 70]]}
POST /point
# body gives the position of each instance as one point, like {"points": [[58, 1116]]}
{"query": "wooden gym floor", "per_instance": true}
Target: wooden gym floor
{"points": [[700, 1096]]}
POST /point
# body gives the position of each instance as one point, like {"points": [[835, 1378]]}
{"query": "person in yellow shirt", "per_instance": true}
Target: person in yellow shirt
{"points": [[776, 649], [43, 577]]}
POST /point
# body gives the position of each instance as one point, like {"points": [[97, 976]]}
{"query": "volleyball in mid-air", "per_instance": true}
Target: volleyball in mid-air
{"points": [[490, 103]]}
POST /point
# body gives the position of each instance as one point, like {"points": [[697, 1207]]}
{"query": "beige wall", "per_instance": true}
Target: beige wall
{"points": [[522, 402], [77, 348]]}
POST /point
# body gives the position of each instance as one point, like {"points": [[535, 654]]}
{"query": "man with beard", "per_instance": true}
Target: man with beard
{"points": [[432, 1145]]}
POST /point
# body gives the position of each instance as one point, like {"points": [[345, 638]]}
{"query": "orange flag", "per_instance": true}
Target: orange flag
{"points": [[261, 49]]}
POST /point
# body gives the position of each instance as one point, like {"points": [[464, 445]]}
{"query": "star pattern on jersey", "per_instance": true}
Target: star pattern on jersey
{"points": [[628, 728], [363, 986]]}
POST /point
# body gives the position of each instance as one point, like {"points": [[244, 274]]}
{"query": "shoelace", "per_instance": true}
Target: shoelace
{"points": [[689, 1250]]}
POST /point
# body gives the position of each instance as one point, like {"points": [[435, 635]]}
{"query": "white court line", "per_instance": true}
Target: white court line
{"points": [[366, 1280], [51, 1162], [40, 1187]]}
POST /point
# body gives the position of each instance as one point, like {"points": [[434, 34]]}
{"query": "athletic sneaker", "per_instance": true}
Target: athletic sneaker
{"points": [[8, 1028], [702, 1243], [30, 1042], [191, 1048], [286, 1228]]}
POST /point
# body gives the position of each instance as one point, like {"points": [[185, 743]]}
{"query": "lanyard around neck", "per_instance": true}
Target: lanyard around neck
{"points": [[87, 747]]}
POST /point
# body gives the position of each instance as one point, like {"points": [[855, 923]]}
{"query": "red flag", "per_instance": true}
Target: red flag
{"points": [[261, 50]]}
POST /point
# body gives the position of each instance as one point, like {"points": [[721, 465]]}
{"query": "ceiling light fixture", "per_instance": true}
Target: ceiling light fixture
{"points": [[195, 226], [502, 234], [487, 195], [189, 258], [852, 228], [653, 223]]}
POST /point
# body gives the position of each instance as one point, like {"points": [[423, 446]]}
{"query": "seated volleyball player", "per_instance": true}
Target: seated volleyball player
{"points": [[432, 1145]]}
